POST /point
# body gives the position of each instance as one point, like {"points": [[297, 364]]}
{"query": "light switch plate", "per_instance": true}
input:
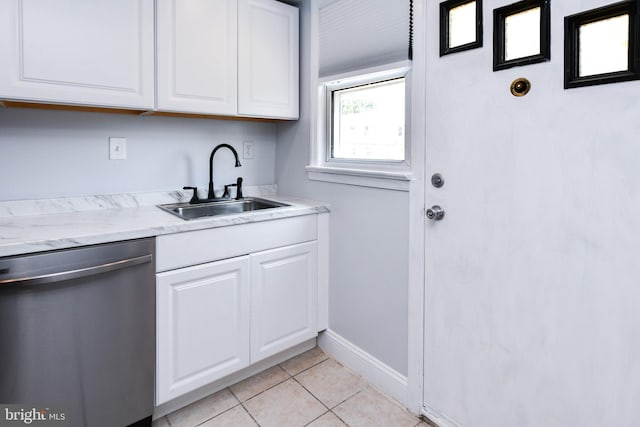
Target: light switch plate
{"points": [[117, 148]]}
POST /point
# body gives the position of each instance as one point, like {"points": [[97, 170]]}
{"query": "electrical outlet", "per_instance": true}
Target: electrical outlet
{"points": [[117, 148], [247, 149]]}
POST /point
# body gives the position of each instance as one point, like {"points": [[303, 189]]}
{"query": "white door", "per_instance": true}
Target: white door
{"points": [[197, 56], [202, 325], [268, 59], [284, 298], [533, 275], [98, 53]]}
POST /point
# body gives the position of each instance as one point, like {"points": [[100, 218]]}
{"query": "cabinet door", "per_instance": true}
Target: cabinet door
{"points": [[78, 52], [202, 325], [283, 298], [267, 59], [197, 56]]}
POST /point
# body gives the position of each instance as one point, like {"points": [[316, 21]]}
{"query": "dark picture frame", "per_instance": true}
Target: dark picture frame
{"points": [[499, 22], [572, 24], [445, 9]]}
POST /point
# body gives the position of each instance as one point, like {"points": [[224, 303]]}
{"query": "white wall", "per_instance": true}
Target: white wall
{"points": [[539, 323], [61, 153], [369, 240]]}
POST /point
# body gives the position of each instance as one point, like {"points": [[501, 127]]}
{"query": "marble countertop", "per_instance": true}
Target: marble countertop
{"points": [[41, 225]]}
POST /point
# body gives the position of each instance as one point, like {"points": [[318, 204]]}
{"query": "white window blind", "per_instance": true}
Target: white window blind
{"points": [[356, 34]]}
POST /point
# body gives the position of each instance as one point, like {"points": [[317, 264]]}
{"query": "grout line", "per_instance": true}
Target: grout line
{"points": [[353, 395], [308, 367], [318, 417], [223, 412], [234, 395], [250, 414], [312, 395], [266, 389], [338, 417], [339, 403]]}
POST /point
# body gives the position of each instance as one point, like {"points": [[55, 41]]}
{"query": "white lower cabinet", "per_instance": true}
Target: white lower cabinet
{"points": [[203, 325], [283, 299], [215, 318]]}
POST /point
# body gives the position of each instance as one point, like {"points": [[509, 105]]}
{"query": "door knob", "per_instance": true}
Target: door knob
{"points": [[435, 213]]}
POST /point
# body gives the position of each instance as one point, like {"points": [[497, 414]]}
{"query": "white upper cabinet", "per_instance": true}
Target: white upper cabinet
{"points": [[216, 57], [85, 52], [267, 59], [197, 56]]}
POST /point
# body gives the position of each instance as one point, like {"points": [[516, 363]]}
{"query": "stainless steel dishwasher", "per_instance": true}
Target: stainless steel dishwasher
{"points": [[77, 333]]}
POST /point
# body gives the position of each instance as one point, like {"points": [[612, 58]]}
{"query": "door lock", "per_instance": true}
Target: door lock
{"points": [[435, 213], [437, 180]]}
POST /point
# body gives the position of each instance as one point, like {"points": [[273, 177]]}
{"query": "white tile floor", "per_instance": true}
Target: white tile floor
{"points": [[309, 390]]}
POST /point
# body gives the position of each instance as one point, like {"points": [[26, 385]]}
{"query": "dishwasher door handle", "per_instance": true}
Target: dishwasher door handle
{"points": [[78, 273]]}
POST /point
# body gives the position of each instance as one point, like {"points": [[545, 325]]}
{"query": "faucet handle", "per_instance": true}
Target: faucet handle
{"points": [[194, 198], [239, 189], [226, 193]]}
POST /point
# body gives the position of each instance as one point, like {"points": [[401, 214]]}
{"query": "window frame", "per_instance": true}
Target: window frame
{"points": [[391, 174], [335, 86], [445, 8], [500, 16], [572, 26]]}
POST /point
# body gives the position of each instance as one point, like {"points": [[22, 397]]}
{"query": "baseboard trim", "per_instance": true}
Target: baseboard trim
{"points": [[373, 370], [437, 419]]}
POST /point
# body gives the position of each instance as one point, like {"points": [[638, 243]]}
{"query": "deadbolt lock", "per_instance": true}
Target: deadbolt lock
{"points": [[437, 180]]}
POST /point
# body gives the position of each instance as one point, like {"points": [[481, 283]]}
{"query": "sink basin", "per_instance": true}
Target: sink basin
{"points": [[223, 207]]}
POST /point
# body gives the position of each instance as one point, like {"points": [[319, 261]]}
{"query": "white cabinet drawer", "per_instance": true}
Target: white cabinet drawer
{"points": [[197, 247]]}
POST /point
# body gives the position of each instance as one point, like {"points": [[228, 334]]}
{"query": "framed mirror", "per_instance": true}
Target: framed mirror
{"points": [[460, 25], [601, 45], [521, 34]]}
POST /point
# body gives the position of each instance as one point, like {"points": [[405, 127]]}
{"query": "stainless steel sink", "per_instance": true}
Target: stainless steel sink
{"points": [[223, 207]]}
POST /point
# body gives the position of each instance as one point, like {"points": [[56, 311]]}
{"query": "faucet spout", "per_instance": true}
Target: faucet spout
{"points": [[211, 194]]}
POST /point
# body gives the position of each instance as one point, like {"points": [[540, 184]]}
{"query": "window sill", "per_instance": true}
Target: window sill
{"points": [[398, 181]]}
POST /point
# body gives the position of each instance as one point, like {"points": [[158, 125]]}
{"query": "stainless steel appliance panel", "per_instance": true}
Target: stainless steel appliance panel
{"points": [[77, 329]]}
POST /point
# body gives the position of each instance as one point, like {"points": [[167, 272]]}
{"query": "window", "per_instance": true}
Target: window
{"points": [[518, 29], [604, 46], [521, 34], [360, 66], [367, 121], [460, 25], [361, 132], [601, 45]]}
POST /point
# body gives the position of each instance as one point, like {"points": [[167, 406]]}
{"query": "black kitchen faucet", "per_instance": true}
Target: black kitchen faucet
{"points": [[211, 194]]}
